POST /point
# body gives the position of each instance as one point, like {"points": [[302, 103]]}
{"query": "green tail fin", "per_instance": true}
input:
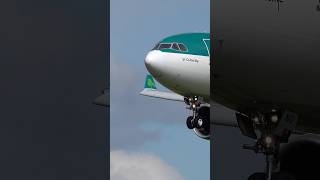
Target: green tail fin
{"points": [[150, 82]]}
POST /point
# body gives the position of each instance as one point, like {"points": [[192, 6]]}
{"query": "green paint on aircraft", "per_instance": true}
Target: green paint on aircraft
{"points": [[196, 43], [150, 82]]}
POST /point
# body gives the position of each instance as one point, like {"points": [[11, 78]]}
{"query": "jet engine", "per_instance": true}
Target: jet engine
{"points": [[202, 129], [301, 157]]}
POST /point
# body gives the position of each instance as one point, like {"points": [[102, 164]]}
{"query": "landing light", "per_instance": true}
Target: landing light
{"points": [[268, 140], [255, 119], [274, 118]]}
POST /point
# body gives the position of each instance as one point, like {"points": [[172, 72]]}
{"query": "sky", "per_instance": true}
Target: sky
{"points": [[150, 134]]}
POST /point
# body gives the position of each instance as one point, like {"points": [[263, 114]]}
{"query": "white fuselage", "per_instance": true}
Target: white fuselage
{"points": [[185, 74]]}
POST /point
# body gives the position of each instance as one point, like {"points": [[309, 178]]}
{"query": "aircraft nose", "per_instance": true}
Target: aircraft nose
{"points": [[152, 62]]}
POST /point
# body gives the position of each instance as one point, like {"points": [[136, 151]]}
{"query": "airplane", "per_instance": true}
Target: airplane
{"points": [[181, 63], [273, 92], [265, 67]]}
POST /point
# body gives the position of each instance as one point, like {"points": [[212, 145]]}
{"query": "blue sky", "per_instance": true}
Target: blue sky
{"points": [[141, 125]]}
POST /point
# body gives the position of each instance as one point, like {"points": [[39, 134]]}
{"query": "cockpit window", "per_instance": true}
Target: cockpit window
{"points": [[182, 47], [156, 46], [165, 46], [175, 46]]}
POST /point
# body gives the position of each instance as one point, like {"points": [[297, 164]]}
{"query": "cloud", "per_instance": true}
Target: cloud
{"points": [[137, 166]]}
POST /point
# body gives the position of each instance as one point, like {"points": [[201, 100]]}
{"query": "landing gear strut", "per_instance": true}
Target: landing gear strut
{"points": [[270, 128], [194, 105]]}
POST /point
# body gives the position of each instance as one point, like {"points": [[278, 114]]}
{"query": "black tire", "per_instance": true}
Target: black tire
{"points": [[258, 176], [189, 122], [282, 176]]}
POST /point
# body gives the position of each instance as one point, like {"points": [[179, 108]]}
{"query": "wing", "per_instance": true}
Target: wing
{"points": [[151, 91], [104, 99], [161, 95]]}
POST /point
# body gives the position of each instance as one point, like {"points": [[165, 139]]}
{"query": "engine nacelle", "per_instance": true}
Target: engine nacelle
{"points": [[301, 157], [204, 132]]}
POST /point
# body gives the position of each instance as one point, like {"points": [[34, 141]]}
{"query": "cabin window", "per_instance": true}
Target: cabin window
{"points": [[175, 46], [182, 47], [165, 46]]}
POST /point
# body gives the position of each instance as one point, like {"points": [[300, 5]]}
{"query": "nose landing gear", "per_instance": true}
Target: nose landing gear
{"points": [[194, 105], [199, 122], [270, 128]]}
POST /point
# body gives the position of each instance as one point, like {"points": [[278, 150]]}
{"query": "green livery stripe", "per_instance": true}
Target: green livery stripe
{"points": [[196, 43], [150, 82]]}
